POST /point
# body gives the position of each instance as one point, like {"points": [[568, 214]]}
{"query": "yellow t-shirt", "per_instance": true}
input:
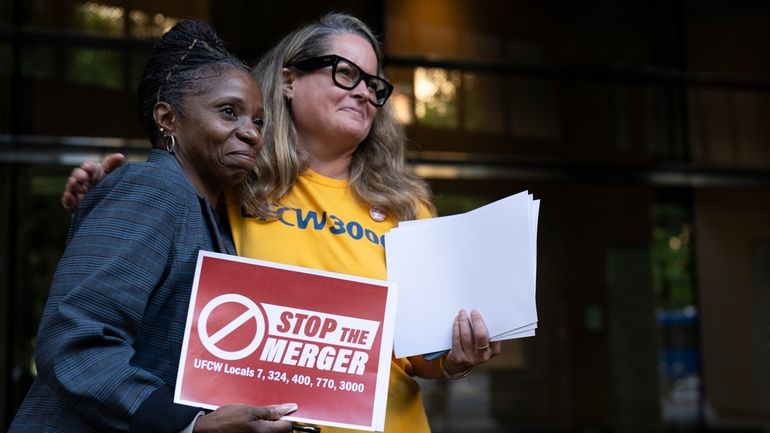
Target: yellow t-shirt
{"points": [[321, 225]]}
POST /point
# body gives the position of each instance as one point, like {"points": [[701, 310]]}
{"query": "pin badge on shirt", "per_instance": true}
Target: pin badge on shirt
{"points": [[377, 214]]}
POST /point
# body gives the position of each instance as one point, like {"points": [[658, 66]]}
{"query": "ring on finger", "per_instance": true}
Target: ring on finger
{"points": [[484, 347]]}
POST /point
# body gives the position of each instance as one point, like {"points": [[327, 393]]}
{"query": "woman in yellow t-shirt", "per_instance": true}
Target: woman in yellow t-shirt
{"points": [[330, 181]]}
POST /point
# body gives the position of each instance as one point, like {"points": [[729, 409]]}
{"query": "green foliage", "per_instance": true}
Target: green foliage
{"points": [[436, 97], [101, 67], [455, 204], [672, 257], [94, 17]]}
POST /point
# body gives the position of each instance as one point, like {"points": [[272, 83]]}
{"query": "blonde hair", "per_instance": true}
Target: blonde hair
{"points": [[378, 175]]}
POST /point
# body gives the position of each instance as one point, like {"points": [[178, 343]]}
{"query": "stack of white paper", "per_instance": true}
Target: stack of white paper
{"points": [[484, 259]]}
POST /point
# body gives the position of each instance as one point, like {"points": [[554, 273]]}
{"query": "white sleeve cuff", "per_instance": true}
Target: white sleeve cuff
{"points": [[189, 428]]}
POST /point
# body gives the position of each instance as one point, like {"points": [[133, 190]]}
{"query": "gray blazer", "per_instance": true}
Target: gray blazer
{"points": [[110, 336]]}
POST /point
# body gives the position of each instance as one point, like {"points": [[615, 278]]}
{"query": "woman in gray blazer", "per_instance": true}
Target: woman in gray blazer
{"points": [[111, 332]]}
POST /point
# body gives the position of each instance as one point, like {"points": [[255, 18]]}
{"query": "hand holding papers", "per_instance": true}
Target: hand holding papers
{"points": [[484, 259]]}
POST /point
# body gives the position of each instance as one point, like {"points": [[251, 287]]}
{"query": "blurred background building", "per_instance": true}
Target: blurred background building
{"points": [[643, 126]]}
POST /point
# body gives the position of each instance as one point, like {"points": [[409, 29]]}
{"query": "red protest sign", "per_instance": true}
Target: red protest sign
{"points": [[262, 333]]}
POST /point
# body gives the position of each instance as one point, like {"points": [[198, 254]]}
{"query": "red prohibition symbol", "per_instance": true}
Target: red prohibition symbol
{"points": [[210, 341]]}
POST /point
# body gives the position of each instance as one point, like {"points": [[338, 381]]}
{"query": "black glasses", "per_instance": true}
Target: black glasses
{"points": [[347, 75]]}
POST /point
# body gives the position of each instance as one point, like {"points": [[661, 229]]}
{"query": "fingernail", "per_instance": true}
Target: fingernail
{"points": [[287, 408]]}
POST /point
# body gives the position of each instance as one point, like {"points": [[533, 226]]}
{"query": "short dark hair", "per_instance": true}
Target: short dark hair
{"points": [[190, 51]]}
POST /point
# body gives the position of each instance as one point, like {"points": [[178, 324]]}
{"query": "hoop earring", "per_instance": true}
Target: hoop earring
{"points": [[170, 143]]}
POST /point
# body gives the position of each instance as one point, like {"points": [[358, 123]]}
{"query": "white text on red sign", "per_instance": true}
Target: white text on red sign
{"points": [[292, 333]]}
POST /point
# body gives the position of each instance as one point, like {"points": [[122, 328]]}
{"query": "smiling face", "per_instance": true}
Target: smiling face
{"points": [[330, 120], [218, 132]]}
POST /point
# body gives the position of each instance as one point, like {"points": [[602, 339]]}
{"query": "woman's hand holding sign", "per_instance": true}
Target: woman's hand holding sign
{"points": [[237, 418]]}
